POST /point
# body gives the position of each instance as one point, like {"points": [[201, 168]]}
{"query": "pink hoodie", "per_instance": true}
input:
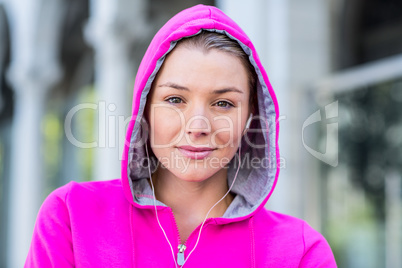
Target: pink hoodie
{"points": [[113, 223]]}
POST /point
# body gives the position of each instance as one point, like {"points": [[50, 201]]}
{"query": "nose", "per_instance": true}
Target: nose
{"points": [[198, 124]]}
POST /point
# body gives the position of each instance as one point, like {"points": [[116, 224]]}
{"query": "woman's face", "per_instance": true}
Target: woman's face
{"points": [[197, 110]]}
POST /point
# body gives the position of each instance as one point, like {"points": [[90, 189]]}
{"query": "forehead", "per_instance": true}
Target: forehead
{"points": [[195, 68]]}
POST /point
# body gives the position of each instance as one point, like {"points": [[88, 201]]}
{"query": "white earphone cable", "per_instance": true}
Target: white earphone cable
{"points": [[156, 210], [206, 217]]}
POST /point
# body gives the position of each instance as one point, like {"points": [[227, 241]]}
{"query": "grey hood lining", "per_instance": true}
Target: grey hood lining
{"points": [[252, 185]]}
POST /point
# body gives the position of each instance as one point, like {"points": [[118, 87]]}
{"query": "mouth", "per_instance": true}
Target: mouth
{"points": [[195, 149], [195, 152]]}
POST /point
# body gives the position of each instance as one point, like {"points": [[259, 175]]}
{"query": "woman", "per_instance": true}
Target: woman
{"points": [[200, 162]]}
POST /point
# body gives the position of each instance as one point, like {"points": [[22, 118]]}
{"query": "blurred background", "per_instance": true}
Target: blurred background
{"points": [[67, 68]]}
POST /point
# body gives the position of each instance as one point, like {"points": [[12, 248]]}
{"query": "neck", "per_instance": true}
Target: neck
{"points": [[190, 199]]}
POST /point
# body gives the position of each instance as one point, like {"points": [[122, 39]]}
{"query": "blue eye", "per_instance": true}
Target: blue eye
{"points": [[224, 104], [174, 100]]}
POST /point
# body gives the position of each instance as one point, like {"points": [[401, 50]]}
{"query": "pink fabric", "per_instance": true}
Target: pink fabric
{"points": [[92, 225], [98, 224]]}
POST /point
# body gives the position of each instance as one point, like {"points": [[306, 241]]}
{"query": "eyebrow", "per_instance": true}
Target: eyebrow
{"points": [[217, 91]]}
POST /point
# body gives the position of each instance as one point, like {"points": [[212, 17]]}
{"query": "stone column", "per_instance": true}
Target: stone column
{"points": [[3, 47], [112, 29], [34, 28], [4, 138], [393, 220]]}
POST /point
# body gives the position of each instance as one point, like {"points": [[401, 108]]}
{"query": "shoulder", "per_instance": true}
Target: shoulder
{"points": [[77, 204], [88, 186], [68, 210], [279, 228], [93, 186], [294, 239], [82, 194], [279, 223], [74, 188], [92, 190]]}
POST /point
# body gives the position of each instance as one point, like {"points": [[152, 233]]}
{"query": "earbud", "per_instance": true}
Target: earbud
{"points": [[248, 123]]}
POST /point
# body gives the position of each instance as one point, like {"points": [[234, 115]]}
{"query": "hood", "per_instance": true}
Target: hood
{"points": [[260, 158]]}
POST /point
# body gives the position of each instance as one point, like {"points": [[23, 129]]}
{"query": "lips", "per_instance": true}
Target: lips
{"points": [[195, 149], [195, 152]]}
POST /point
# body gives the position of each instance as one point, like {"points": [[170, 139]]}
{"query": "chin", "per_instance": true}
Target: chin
{"points": [[194, 175]]}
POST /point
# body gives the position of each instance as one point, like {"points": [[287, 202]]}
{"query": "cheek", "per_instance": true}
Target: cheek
{"points": [[227, 131], [165, 125]]}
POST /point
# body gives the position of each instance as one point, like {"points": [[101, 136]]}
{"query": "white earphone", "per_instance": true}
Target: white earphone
{"points": [[180, 256]]}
